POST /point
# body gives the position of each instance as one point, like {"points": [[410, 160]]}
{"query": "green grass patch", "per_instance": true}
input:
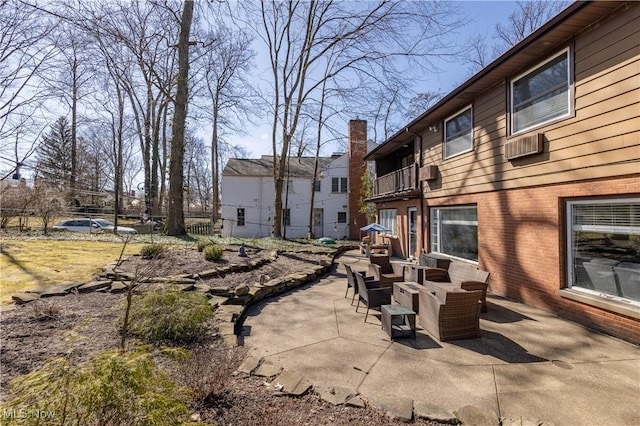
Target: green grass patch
{"points": [[30, 264]]}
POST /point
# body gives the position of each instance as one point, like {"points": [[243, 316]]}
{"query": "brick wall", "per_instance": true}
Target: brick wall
{"points": [[522, 238], [357, 167], [400, 244]]}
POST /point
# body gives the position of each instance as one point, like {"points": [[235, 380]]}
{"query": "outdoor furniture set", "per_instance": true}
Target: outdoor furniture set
{"points": [[449, 301], [383, 270]]}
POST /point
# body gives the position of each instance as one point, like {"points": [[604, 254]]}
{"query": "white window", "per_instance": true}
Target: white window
{"points": [[387, 218], [604, 248], [541, 95], [342, 217], [454, 231], [339, 184], [458, 133], [317, 185]]}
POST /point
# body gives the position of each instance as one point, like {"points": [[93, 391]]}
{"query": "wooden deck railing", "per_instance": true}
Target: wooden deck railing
{"points": [[404, 179]]}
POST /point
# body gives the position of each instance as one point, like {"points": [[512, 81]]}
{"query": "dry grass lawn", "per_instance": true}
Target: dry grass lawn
{"points": [[29, 264]]}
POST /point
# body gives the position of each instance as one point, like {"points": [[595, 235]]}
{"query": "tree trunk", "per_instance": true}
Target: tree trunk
{"points": [[175, 217], [74, 131], [215, 173]]}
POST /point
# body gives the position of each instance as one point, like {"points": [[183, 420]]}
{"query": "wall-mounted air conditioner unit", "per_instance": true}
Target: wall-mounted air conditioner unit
{"points": [[524, 146], [428, 173]]}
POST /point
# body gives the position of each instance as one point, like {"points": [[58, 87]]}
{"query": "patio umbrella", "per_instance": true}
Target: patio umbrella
{"points": [[374, 227]]}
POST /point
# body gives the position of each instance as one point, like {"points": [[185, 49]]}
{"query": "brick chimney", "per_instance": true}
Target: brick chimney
{"points": [[357, 168]]}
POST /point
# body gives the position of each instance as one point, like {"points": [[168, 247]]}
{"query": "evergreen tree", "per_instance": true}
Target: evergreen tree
{"points": [[54, 155]]}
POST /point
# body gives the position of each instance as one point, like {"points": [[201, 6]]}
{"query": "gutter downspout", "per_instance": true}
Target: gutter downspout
{"points": [[420, 164]]}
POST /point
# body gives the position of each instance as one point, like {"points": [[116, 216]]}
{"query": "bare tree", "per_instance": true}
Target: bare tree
{"points": [[478, 55], [525, 19], [47, 203], [226, 62], [198, 176], [69, 78], [136, 40], [16, 201], [367, 41], [421, 102], [23, 54]]}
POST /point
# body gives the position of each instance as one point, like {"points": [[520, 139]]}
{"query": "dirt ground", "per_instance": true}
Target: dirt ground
{"points": [[77, 325]]}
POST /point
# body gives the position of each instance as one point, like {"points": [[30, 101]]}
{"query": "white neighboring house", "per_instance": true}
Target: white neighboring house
{"points": [[248, 194]]}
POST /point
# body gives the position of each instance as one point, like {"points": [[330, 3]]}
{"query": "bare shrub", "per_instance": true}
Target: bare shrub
{"points": [[44, 311], [210, 371]]}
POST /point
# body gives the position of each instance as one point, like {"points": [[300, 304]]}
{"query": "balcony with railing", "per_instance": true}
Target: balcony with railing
{"points": [[402, 182]]}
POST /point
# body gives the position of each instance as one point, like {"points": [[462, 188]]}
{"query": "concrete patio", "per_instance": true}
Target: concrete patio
{"points": [[529, 367]]}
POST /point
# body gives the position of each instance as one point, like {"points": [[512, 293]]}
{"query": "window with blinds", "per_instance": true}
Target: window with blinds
{"points": [[387, 218], [454, 231], [604, 248], [541, 95]]}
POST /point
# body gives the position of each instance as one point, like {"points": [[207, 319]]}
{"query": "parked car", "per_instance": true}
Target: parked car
{"points": [[91, 225]]}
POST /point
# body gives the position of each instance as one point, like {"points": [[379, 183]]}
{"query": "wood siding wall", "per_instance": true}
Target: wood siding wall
{"points": [[521, 203], [602, 138]]}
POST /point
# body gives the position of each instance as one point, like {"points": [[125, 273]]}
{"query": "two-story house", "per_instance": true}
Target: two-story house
{"points": [[248, 193], [531, 170]]}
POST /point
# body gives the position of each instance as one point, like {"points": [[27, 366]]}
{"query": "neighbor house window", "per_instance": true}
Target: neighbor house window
{"points": [[387, 218], [604, 248], [339, 184], [316, 185], [454, 231], [240, 217], [458, 133], [342, 217], [541, 95], [286, 217], [288, 186]]}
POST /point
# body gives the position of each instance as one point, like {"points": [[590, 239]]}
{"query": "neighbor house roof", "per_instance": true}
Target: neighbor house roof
{"points": [[298, 166], [547, 39]]}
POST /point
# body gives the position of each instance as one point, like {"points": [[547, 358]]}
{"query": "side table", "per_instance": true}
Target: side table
{"points": [[398, 321], [406, 294]]}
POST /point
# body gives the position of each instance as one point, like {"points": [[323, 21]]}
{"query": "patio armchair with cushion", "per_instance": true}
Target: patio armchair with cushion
{"points": [[458, 276], [351, 281], [382, 270], [373, 298], [450, 315]]}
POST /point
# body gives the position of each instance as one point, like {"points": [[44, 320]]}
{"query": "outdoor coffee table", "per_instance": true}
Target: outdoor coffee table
{"points": [[398, 321], [406, 294]]}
